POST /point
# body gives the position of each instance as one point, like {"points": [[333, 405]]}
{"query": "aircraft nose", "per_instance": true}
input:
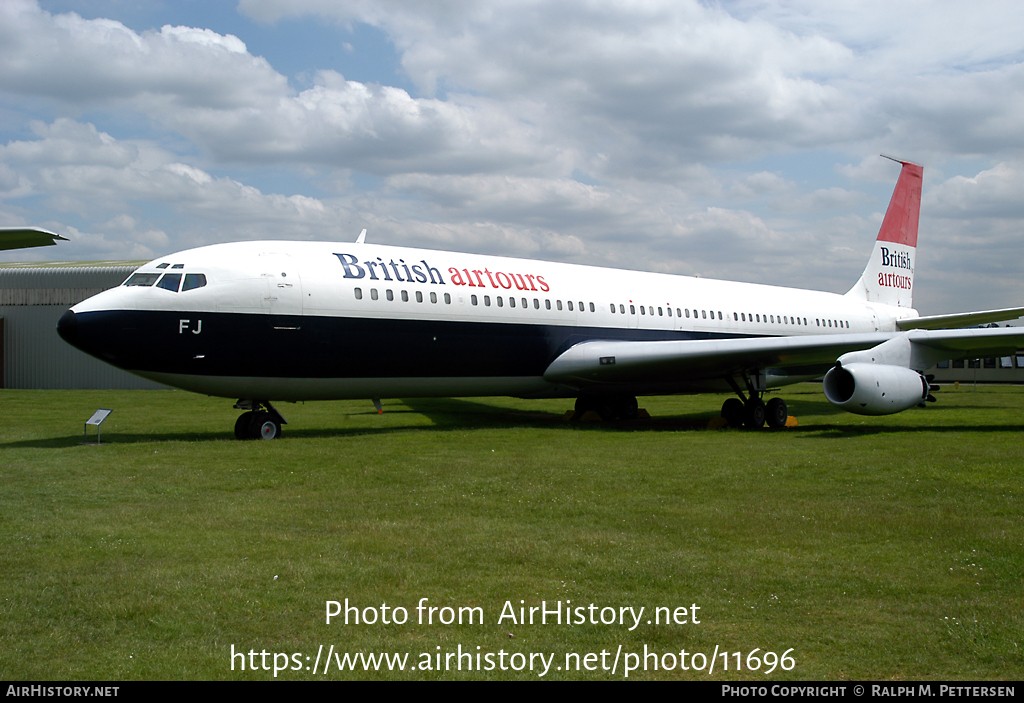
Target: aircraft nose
{"points": [[67, 328]]}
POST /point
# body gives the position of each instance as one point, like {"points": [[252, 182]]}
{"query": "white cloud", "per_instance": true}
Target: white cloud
{"points": [[87, 62], [993, 193]]}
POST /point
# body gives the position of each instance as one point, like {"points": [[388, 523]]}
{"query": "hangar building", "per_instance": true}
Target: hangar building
{"points": [[32, 299]]}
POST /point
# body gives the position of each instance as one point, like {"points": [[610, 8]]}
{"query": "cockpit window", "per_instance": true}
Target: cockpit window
{"points": [[178, 266], [195, 280], [142, 279], [170, 282], [162, 266]]}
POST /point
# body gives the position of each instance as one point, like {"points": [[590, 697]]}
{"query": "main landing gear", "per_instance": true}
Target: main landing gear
{"points": [[259, 421], [750, 410], [611, 407]]}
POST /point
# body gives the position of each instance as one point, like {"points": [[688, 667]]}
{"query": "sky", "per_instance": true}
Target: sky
{"points": [[736, 140]]}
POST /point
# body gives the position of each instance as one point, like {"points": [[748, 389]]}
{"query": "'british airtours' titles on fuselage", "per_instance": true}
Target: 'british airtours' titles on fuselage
{"points": [[475, 278]]}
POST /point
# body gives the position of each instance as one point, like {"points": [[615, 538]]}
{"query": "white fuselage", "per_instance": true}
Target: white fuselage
{"points": [[329, 311]]}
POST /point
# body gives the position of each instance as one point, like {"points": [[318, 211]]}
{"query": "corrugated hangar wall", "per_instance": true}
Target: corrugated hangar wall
{"points": [[32, 299]]}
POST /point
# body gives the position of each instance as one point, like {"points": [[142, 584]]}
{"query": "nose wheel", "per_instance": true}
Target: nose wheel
{"points": [[262, 421]]}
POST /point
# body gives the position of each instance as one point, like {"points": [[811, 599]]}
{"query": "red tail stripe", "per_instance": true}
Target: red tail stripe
{"points": [[900, 223]]}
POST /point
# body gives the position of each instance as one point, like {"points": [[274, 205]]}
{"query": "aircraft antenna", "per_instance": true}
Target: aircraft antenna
{"points": [[362, 237], [899, 161]]}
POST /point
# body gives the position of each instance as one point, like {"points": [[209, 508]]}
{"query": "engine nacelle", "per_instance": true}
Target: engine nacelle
{"points": [[874, 389]]}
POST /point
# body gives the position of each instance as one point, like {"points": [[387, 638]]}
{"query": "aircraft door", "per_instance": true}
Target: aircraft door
{"points": [[633, 314], [283, 291]]}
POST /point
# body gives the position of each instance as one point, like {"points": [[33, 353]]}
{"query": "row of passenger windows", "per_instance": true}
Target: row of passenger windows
{"points": [[473, 299], [648, 310], [736, 316], [169, 281]]}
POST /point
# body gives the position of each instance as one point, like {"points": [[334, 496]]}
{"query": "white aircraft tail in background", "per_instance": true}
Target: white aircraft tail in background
{"points": [[888, 278]]}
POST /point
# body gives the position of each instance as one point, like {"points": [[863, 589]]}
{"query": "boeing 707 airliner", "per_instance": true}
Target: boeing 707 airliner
{"points": [[272, 321]]}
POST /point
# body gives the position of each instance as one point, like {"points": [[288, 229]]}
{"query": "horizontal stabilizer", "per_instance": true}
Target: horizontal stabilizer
{"points": [[960, 319]]}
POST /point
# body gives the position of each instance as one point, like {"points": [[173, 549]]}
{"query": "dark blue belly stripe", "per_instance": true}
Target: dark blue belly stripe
{"points": [[234, 344]]}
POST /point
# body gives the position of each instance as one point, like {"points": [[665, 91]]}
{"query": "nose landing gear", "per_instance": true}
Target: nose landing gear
{"points": [[260, 421]]}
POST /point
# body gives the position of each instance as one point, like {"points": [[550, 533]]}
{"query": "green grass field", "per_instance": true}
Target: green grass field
{"points": [[872, 548]]}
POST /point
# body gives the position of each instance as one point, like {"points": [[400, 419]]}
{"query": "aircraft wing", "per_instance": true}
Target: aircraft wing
{"points": [[596, 363], [26, 237]]}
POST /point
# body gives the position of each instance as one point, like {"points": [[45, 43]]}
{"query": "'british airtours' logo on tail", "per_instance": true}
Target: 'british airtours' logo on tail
{"points": [[889, 276]]}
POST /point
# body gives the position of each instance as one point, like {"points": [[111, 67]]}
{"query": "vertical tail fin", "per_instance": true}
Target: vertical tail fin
{"points": [[889, 276]]}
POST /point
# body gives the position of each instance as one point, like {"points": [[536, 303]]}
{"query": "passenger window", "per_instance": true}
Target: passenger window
{"points": [[632, 309], [643, 310], [170, 282], [500, 301], [405, 296], [373, 294], [677, 313], [142, 279], [487, 301], [704, 314], [687, 312], [650, 308], [613, 308], [592, 308], [622, 309], [447, 299], [193, 280], [472, 299], [558, 304], [719, 314], [581, 306], [359, 293], [511, 302], [419, 296], [669, 312], [389, 294], [433, 297], [547, 303], [536, 304]]}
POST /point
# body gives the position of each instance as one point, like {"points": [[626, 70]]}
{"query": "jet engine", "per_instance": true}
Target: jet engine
{"points": [[874, 389]]}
